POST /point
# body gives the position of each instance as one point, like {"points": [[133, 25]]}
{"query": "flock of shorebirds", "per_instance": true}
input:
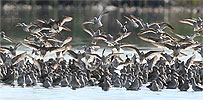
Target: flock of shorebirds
{"points": [[88, 68]]}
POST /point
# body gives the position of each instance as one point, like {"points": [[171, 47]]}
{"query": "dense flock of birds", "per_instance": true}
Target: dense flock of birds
{"points": [[88, 68]]}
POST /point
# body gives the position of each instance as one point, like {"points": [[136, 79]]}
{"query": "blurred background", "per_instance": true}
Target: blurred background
{"points": [[113, 2], [26, 11]]}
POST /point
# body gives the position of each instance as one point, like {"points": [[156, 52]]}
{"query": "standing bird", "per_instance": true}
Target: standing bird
{"points": [[153, 86], [195, 87]]}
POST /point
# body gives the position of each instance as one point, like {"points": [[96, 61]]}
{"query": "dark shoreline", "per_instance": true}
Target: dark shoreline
{"points": [[117, 3], [159, 9]]}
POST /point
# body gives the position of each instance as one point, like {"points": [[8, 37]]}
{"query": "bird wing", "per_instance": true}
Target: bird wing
{"points": [[182, 54], [8, 39], [41, 20], [95, 55], [128, 18], [65, 28], [133, 48], [164, 25], [119, 23], [152, 52], [67, 40], [29, 45], [138, 20], [147, 31], [165, 45], [149, 39], [123, 36], [4, 49], [190, 45], [18, 58], [88, 22], [169, 46], [113, 54], [190, 61], [64, 19], [56, 49], [36, 62], [180, 36], [17, 45], [54, 40], [187, 21], [88, 31], [73, 54], [101, 15], [100, 37]]}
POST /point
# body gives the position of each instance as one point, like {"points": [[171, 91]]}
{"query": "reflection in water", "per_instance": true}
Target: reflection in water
{"points": [[9, 18]]}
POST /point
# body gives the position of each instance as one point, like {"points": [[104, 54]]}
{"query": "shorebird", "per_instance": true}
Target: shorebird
{"points": [[47, 83], [143, 55], [93, 34], [187, 39], [195, 87], [154, 74], [74, 83], [9, 77], [21, 79], [144, 25], [16, 59], [117, 82], [3, 36], [176, 47], [43, 49], [25, 27], [199, 49], [151, 62], [78, 55], [104, 59], [110, 40], [11, 49], [156, 26], [31, 28], [96, 20], [155, 39], [89, 49], [122, 27], [168, 57], [106, 84], [197, 23], [135, 85], [132, 22], [55, 26], [172, 83], [185, 86], [153, 86], [28, 80]]}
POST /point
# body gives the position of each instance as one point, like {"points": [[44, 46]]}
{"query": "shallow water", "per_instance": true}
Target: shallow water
{"points": [[93, 93]]}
